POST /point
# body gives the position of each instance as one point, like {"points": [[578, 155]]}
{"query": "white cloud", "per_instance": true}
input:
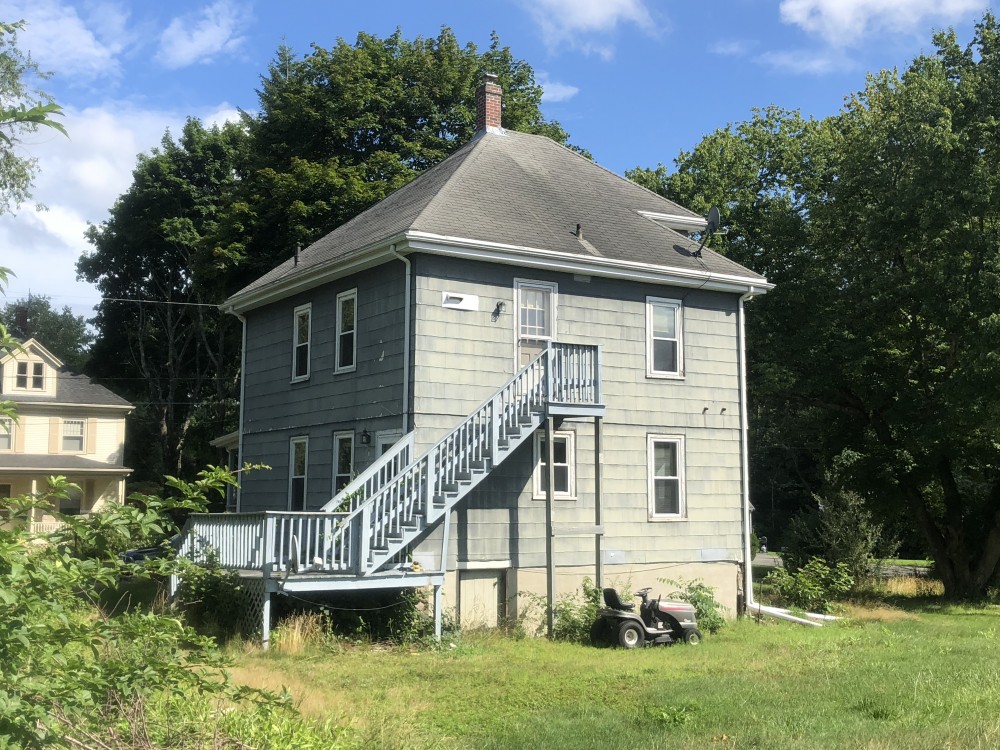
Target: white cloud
{"points": [[805, 62], [556, 92], [584, 24], [732, 47], [63, 42], [843, 22], [202, 36], [80, 178]]}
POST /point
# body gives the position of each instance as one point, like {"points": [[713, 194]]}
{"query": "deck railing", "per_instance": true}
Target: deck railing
{"points": [[397, 498]]}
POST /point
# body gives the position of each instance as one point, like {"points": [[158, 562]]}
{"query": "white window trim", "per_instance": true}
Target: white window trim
{"points": [[651, 440], [306, 308], [6, 434], [29, 376], [388, 438], [337, 437], [553, 289], [292, 442], [83, 436], [679, 322], [353, 295], [537, 491]]}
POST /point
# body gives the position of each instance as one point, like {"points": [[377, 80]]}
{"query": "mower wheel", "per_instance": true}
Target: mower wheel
{"points": [[692, 637], [630, 635], [600, 634]]}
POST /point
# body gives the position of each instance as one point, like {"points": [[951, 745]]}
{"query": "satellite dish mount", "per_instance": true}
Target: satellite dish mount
{"points": [[714, 220]]}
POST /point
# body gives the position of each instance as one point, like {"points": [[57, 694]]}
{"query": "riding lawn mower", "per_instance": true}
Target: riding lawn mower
{"points": [[659, 621]]}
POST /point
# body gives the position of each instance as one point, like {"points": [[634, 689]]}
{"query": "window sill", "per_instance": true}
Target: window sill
{"points": [[568, 498], [666, 519], [301, 379], [665, 375], [345, 370]]}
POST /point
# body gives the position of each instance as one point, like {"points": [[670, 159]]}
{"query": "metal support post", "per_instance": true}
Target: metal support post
{"points": [[265, 639], [549, 560], [437, 613], [598, 509]]}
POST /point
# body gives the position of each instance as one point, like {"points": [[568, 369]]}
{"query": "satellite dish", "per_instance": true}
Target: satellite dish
{"points": [[714, 221]]}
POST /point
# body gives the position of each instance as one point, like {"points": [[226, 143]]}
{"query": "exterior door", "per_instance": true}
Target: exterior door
{"points": [[536, 322], [481, 598]]}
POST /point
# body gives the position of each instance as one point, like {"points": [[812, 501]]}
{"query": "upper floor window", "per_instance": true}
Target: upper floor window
{"points": [[37, 378], [347, 342], [303, 337], [563, 466], [6, 434], [666, 476], [664, 338], [298, 469], [73, 431]]}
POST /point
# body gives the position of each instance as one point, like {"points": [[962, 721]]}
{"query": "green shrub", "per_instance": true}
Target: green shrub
{"points": [[839, 529], [211, 597], [575, 613], [702, 596], [814, 586]]}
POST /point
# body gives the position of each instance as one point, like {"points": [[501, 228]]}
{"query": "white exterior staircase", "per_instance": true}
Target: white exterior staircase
{"points": [[392, 505]]}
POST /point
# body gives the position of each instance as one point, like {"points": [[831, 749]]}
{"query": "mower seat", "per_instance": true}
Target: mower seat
{"points": [[612, 600]]}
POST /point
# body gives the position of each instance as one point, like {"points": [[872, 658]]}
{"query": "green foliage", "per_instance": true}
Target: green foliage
{"points": [[575, 613], [210, 596], [839, 529], [702, 596], [61, 332], [23, 109], [813, 587], [754, 544], [875, 356]]}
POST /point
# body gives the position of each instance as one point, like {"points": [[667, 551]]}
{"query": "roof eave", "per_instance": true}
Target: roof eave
{"points": [[533, 257]]}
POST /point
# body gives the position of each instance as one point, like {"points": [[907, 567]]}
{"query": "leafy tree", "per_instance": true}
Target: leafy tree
{"points": [[882, 337], [23, 110], [60, 331], [161, 339]]}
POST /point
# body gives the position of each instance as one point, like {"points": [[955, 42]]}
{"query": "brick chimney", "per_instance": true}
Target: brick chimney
{"points": [[489, 96]]}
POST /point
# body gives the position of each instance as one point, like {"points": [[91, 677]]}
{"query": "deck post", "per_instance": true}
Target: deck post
{"points": [[550, 565], [265, 639], [437, 612], [598, 510]]}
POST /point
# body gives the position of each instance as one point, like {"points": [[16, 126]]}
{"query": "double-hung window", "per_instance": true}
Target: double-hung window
{"points": [[563, 466], [347, 323], [298, 467], [73, 432], [664, 338], [343, 459], [665, 461], [6, 434], [302, 323], [37, 377]]}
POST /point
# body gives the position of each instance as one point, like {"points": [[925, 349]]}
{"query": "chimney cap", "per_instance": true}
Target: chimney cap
{"points": [[489, 77]]}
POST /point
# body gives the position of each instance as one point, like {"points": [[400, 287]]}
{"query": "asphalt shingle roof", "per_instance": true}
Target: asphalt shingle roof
{"points": [[524, 190], [72, 388]]}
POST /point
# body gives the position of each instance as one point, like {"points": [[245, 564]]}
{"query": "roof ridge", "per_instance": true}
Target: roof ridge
{"points": [[600, 166], [478, 138]]}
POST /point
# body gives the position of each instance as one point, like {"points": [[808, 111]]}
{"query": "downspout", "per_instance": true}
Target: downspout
{"points": [[751, 604], [243, 386], [406, 338]]}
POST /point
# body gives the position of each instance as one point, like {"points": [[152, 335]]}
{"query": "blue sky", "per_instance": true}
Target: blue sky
{"points": [[633, 81]]}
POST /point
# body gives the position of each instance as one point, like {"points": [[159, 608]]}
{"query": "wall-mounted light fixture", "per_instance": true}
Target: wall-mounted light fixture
{"points": [[500, 308], [366, 438]]}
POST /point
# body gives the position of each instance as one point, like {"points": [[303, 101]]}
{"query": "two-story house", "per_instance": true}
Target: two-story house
{"points": [[66, 425], [517, 370]]}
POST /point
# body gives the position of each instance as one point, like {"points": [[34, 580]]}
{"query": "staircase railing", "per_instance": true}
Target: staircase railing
{"points": [[396, 500], [376, 476]]}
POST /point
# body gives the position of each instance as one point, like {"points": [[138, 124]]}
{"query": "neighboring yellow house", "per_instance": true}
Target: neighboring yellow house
{"points": [[66, 425]]}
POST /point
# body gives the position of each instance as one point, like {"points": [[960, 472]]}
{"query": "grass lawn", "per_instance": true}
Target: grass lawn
{"points": [[924, 676]]}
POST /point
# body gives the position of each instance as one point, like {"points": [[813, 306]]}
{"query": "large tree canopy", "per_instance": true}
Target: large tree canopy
{"points": [[877, 358]]}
